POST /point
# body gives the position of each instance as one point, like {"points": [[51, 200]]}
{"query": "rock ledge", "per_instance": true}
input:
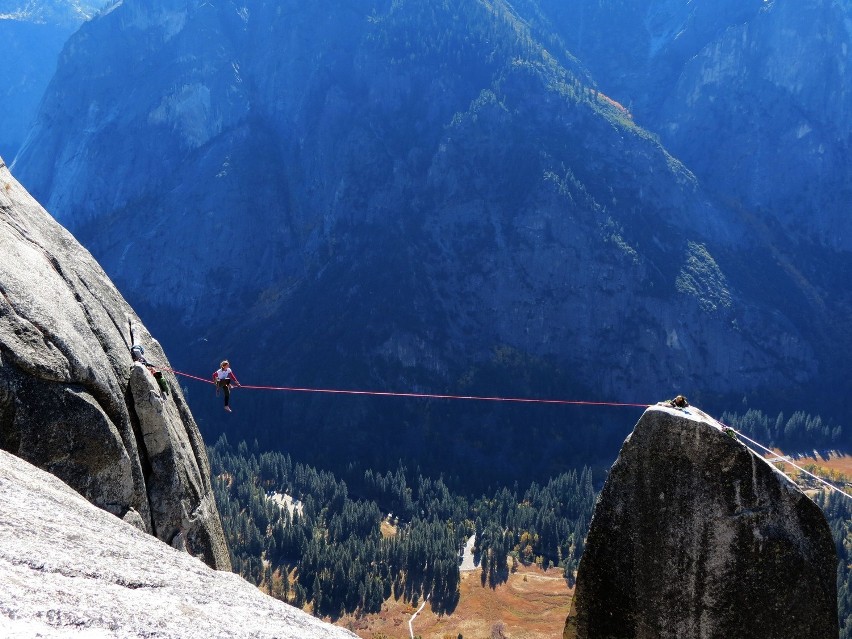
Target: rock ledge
{"points": [[69, 570]]}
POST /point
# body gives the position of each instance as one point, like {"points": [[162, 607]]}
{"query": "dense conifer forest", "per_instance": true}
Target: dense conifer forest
{"points": [[800, 432], [348, 545]]}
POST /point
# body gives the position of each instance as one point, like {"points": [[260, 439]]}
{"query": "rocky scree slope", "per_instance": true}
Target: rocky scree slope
{"points": [[68, 570], [71, 400], [695, 536]]}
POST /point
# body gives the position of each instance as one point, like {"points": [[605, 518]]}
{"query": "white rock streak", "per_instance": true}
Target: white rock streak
{"points": [[468, 562], [411, 621]]}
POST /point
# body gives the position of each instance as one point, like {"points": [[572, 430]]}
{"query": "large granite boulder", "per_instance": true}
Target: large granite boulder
{"points": [[69, 570], [73, 402], [696, 536]]}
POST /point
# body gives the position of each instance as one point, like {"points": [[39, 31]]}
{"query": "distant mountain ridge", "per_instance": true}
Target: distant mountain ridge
{"points": [[56, 11], [768, 82], [32, 35], [415, 194]]}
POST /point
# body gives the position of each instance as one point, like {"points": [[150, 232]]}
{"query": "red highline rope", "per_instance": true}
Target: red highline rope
{"points": [[479, 398], [335, 391]]}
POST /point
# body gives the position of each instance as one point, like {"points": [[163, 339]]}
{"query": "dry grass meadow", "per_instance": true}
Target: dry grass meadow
{"points": [[533, 604], [834, 467]]}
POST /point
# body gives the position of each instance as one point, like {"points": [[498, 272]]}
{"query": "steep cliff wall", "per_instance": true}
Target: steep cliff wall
{"points": [[32, 34], [71, 400], [695, 536], [767, 81], [776, 93]]}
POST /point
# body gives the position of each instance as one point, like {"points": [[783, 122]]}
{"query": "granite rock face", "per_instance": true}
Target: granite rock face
{"points": [[68, 570], [71, 400], [696, 536]]}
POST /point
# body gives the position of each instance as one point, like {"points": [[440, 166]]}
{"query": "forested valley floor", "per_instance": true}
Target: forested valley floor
{"points": [[374, 544]]}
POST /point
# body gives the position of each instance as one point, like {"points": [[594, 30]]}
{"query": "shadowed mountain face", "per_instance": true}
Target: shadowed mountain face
{"points": [[766, 82], [696, 536], [409, 196], [32, 35]]}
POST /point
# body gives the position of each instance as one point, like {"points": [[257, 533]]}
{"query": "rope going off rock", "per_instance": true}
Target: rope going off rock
{"points": [[679, 401]]}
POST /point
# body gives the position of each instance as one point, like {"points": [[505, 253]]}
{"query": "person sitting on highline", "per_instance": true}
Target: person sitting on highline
{"points": [[222, 378]]}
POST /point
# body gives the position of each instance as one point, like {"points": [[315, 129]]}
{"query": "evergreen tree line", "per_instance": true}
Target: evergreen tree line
{"points": [[333, 555], [459, 33], [799, 432], [393, 534], [546, 526]]}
